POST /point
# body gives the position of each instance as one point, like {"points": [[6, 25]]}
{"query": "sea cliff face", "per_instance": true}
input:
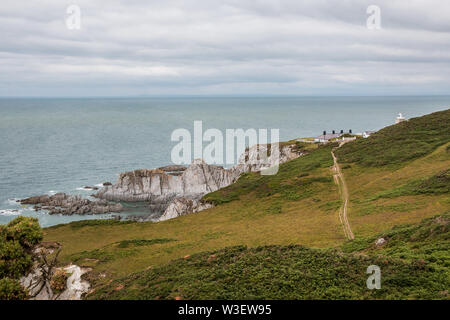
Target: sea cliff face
{"points": [[176, 191], [159, 187]]}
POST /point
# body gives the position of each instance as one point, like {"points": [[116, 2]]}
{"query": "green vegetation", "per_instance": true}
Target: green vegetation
{"points": [[114, 251], [425, 244], [141, 242], [17, 240], [396, 144], [290, 183], [10, 289], [414, 265], [86, 223], [436, 184], [251, 244]]}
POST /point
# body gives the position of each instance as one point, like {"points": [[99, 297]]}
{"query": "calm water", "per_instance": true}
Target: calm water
{"points": [[61, 145]]}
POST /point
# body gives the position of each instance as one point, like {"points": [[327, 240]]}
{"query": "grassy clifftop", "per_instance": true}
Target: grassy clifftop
{"points": [[397, 144]]}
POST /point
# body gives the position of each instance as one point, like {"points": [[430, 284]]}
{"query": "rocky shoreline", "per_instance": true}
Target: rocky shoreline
{"points": [[170, 191], [64, 204]]}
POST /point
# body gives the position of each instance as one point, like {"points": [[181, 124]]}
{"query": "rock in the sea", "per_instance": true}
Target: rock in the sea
{"points": [[107, 184], [62, 203]]}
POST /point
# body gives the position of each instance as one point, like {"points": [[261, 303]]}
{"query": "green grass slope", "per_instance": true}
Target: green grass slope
{"points": [[397, 144], [414, 264], [295, 180]]}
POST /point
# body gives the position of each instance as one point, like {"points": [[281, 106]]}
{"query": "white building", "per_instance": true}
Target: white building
{"points": [[400, 118], [367, 134], [327, 137]]}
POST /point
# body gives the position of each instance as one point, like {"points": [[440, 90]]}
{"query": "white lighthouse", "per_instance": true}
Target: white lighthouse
{"points": [[400, 118]]}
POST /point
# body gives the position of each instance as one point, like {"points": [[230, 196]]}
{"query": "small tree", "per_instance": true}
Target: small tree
{"points": [[17, 240]]}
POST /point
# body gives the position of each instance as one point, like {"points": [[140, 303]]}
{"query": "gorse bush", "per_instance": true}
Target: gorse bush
{"points": [[17, 240], [10, 289], [25, 230]]}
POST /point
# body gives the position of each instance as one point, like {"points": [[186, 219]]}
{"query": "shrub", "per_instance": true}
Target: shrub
{"points": [[14, 261], [58, 281], [10, 289], [26, 230], [17, 240]]}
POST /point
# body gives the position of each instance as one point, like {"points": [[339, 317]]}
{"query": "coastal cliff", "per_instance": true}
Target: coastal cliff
{"points": [[176, 191]]}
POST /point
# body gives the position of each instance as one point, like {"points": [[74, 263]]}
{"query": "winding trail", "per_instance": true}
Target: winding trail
{"points": [[340, 181]]}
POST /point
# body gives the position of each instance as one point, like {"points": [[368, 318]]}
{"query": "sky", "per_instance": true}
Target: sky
{"points": [[228, 47]]}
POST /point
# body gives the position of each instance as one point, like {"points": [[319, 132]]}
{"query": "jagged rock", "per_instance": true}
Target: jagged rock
{"points": [[75, 287], [158, 187], [62, 203], [47, 282], [182, 206], [107, 184], [170, 189], [90, 188]]}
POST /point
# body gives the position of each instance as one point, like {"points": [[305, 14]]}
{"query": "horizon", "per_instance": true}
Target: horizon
{"points": [[175, 96]]}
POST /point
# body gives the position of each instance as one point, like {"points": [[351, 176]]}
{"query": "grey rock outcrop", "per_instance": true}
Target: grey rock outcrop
{"points": [[177, 190], [75, 287], [62, 203], [183, 206], [47, 282], [160, 188]]}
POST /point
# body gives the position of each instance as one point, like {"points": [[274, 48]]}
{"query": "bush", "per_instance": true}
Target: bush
{"points": [[10, 289], [58, 283], [14, 261], [17, 240], [26, 230]]}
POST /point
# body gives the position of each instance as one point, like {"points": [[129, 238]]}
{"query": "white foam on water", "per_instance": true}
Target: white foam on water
{"points": [[83, 189], [28, 208], [99, 185], [10, 212], [52, 192], [12, 201]]}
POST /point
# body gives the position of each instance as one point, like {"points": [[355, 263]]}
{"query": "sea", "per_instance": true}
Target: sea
{"points": [[50, 145]]}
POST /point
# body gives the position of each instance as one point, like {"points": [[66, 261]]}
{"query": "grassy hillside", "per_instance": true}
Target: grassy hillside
{"points": [[382, 197], [294, 181], [397, 144], [268, 214], [296, 206], [414, 264]]}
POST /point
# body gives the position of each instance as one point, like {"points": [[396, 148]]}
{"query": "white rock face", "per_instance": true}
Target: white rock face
{"points": [[182, 206], [158, 187], [380, 242], [75, 287], [179, 194]]}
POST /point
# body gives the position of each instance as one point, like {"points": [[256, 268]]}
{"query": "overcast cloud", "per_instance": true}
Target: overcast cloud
{"points": [[229, 47]]}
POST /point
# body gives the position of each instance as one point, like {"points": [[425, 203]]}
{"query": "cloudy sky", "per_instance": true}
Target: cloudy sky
{"points": [[228, 47]]}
